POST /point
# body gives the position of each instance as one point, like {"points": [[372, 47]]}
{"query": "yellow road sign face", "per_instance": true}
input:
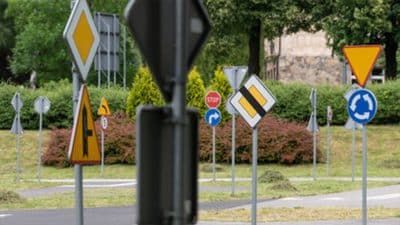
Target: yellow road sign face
{"points": [[104, 110], [253, 101], [84, 147], [362, 59], [82, 37]]}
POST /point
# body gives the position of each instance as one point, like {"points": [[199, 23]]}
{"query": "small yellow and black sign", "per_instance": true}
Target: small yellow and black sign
{"points": [[84, 148], [104, 110], [253, 101]]}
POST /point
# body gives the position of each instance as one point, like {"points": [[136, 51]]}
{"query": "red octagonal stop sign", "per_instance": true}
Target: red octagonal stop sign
{"points": [[213, 99]]}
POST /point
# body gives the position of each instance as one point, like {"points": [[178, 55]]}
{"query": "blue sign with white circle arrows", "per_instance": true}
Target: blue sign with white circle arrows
{"points": [[213, 117], [362, 106]]}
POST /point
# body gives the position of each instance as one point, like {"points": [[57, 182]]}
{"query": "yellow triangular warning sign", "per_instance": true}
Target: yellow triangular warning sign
{"points": [[104, 110], [84, 148], [362, 59]]}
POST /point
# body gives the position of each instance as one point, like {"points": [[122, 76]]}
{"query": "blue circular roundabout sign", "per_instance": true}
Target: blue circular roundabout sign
{"points": [[362, 106]]}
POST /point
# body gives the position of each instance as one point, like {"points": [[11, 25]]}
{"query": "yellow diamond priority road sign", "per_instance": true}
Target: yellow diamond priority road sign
{"points": [[84, 148], [82, 37], [253, 101]]}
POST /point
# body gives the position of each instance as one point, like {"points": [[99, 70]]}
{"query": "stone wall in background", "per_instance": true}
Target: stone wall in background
{"points": [[304, 57], [310, 69]]}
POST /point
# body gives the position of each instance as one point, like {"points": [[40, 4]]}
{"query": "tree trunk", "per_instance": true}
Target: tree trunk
{"points": [[254, 48], [391, 47]]}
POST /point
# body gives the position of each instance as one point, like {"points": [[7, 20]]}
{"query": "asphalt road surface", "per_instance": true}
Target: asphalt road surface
{"points": [[388, 197], [126, 216]]}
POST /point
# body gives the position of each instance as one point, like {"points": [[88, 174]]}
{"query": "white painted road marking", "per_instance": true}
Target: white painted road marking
{"points": [[127, 184], [384, 197], [333, 199], [4, 215], [291, 199]]}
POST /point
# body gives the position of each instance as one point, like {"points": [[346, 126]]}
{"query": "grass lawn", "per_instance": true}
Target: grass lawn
{"points": [[383, 161], [296, 214]]}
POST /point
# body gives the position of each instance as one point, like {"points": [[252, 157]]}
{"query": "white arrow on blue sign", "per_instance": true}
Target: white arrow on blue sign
{"points": [[362, 106], [213, 117]]}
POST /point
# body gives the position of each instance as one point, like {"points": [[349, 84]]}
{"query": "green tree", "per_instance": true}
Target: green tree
{"points": [[254, 20], [6, 40], [40, 46], [39, 42], [353, 22]]}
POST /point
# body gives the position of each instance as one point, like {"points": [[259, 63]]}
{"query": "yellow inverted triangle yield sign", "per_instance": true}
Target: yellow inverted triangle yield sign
{"points": [[362, 59], [104, 110], [83, 147]]}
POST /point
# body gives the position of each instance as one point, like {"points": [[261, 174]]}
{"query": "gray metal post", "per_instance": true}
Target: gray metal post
{"points": [[102, 152], [178, 114], [77, 168], [213, 152], [98, 56], [108, 57], [254, 178], [328, 143], [124, 58], [364, 176], [114, 58], [18, 140], [40, 141], [314, 137], [353, 146], [233, 152]]}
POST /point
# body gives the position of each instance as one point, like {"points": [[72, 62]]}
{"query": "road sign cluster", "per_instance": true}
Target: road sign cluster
{"points": [[213, 115], [253, 101]]}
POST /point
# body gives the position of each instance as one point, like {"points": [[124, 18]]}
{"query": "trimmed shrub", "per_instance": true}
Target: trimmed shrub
{"points": [[10, 197], [271, 176], [144, 91], [221, 84], [279, 141], [195, 91], [119, 142], [60, 96]]}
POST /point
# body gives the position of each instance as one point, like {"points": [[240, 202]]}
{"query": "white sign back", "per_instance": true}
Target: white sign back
{"points": [[42, 104], [235, 75]]}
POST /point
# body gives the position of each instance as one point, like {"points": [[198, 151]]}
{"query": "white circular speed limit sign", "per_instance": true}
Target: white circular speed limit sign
{"points": [[104, 122]]}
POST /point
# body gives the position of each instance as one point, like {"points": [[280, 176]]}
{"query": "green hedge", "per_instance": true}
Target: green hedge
{"points": [[60, 96], [293, 101]]}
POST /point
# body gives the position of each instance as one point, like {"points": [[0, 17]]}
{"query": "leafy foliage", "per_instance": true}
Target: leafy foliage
{"points": [[365, 22], [195, 91], [35, 33], [279, 141], [40, 46], [221, 84], [144, 91], [119, 145], [60, 96]]}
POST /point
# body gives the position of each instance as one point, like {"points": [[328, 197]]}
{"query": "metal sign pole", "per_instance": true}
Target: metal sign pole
{"points": [[77, 168], [314, 134], [178, 113], [364, 176], [328, 140], [254, 179], [18, 140], [102, 152], [353, 146], [40, 141], [213, 152], [233, 152]]}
